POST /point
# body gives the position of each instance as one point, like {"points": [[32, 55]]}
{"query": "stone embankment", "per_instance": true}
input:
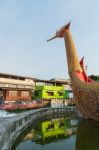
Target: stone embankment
{"points": [[11, 128]]}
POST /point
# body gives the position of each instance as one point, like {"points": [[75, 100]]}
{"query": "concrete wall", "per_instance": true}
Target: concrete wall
{"points": [[11, 128]]}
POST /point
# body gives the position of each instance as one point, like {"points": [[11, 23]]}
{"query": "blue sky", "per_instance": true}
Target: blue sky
{"points": [[25, 25]]}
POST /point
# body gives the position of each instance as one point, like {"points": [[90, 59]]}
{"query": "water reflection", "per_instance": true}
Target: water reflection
{"points": [[59, 132], [87, 136], [53, 130], [57, 128]]}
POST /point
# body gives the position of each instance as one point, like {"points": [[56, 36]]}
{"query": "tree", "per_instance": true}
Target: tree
{"points": [[94, 77]]}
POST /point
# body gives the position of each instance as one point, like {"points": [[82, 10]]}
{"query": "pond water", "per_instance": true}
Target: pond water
{"points": [[60, 133]]}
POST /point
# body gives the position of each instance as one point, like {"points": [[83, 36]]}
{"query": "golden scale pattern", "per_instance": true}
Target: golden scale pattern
{"points": [[86, 94], [86, 100]]}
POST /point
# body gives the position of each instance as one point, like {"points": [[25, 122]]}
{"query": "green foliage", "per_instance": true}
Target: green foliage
{"points": [[93, 77]]}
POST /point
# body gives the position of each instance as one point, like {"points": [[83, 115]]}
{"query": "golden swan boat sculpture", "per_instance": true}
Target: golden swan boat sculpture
{"points": [[86, 91]]}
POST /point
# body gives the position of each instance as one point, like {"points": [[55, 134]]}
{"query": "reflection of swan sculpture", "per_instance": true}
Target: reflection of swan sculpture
{"points": [[87, 136], [86, 91]]}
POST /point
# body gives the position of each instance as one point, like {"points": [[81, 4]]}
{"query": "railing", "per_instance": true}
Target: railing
{"points": [[11, 128], [13, 85]]}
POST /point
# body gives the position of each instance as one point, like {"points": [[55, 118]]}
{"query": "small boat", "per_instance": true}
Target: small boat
{"points": [[85, 90]]}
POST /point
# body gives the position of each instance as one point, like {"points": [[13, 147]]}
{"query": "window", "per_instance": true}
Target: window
{"points": [[24, 93], [1, 93], [60, 93], [61, 124], [13, 93], [50, 126], [50, 93]]}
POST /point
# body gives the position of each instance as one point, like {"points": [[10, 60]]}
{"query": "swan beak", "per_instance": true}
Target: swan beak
{"points": [[54, 37]]}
